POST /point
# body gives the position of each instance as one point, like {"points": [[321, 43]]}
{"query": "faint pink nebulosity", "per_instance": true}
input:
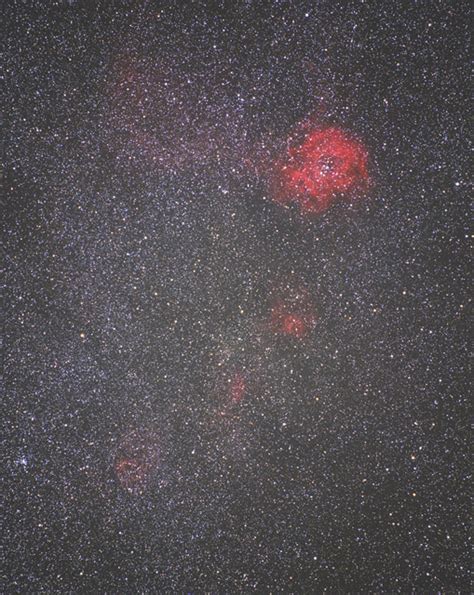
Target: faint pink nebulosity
{"points": [[237, 388], [292, 320], [293, 314], [136, 460]]}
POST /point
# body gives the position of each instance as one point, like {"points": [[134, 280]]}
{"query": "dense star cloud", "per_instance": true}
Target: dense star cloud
{"points": [[235, 334]]}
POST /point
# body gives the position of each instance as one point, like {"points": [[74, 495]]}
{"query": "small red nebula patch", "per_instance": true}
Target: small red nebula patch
{"points": [[237, 388], [293, 317], [327, 164], [136, 460], [287, 321]]}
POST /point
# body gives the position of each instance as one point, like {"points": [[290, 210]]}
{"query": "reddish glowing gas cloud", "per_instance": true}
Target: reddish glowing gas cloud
{"points": [[237, 388], [136, 460], [327, 164], [287, 321], [293, 316]]}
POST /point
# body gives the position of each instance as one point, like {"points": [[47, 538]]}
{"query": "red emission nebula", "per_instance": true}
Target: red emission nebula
{"points": [[136, 460], [327, 164], [293, 314], [290, 323]]}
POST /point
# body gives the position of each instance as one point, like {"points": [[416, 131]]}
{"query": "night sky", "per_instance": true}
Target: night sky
{"points": [[237, 304]]}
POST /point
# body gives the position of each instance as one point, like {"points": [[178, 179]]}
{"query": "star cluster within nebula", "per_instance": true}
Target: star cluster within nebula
{"points": [[327, 164], [235, 334]]}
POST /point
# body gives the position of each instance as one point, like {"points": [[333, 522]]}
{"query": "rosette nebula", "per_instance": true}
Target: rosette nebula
{"points": [[329, 163]]}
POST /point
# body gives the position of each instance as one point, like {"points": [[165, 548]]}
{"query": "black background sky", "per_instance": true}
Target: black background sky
{"points": [[143, 256]]}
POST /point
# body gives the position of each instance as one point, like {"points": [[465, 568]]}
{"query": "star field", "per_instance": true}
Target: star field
{"points": [[236, 280]]}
